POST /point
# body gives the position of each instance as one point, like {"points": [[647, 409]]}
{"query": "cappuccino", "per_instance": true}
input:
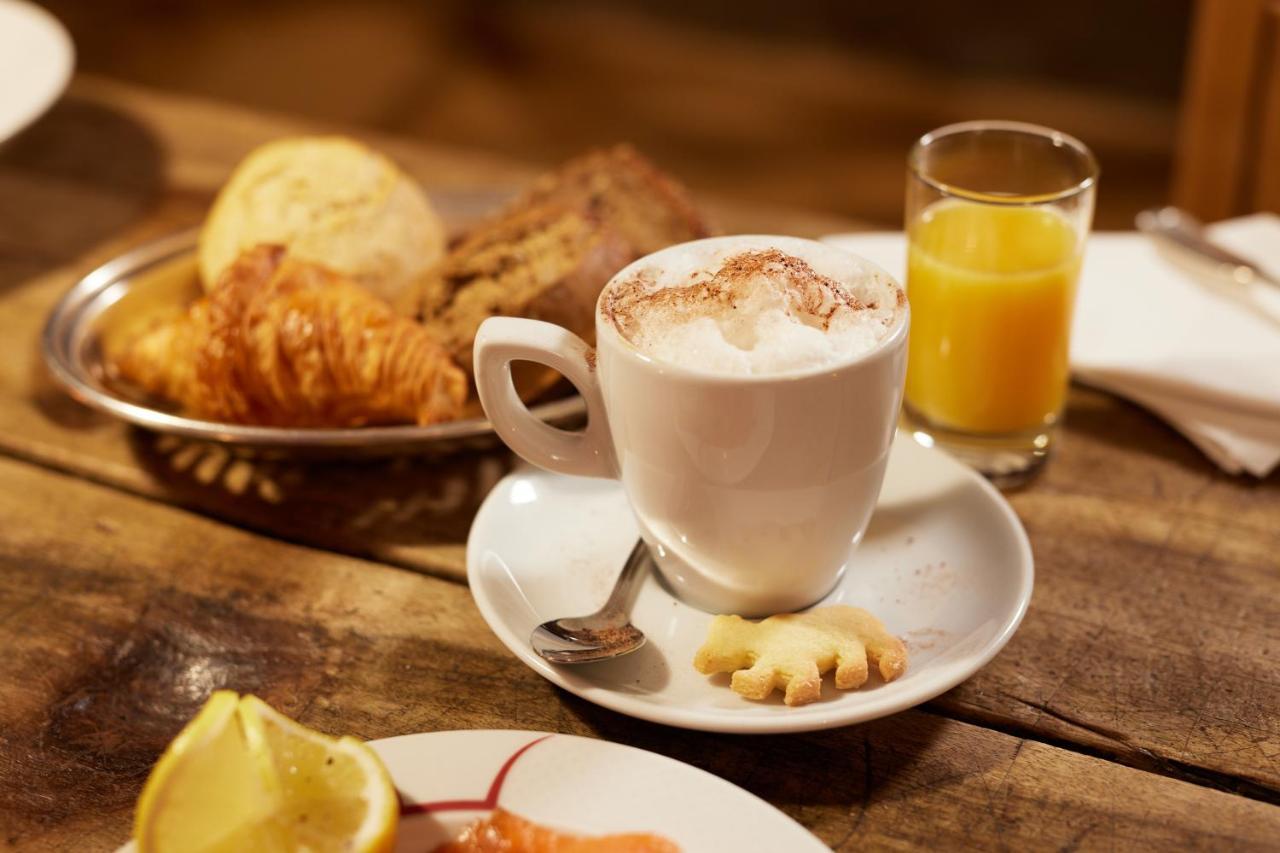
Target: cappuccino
{"points": [[754, 306], [753, 464]]}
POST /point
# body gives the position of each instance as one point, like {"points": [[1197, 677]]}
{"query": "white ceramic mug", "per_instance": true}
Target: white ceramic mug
{"points": [[751, 491]]}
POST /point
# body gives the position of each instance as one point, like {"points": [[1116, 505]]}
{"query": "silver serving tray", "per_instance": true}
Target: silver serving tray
{"points": [[157, 279]]}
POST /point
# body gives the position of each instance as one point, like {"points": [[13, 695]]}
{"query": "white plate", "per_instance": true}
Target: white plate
{"points": [[945, 564], [448, 779], [36, 58]]}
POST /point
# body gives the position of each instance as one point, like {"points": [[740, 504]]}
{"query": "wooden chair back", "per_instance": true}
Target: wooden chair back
{"points": [[1228, 152]]}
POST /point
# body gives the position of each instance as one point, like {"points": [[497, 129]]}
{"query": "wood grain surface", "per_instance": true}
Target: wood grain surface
{"points": [[121, 614], [1136, 706]]}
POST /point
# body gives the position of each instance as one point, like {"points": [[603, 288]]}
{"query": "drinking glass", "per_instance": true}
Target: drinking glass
{"points": [[997, 214]]}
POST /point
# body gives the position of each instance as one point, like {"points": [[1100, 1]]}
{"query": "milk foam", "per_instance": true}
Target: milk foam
{"points": [[753, 305]]}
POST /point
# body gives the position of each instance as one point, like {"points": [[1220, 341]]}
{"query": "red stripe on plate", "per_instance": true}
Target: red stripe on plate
{"points": [[488, 803]]}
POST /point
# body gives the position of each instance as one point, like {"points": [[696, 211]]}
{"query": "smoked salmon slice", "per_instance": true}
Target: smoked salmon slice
{"points": [[504, 832]]}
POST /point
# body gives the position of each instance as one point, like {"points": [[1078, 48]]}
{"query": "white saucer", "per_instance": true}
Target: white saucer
{"points": [[945, 564], [447, 780], [36, 58]]}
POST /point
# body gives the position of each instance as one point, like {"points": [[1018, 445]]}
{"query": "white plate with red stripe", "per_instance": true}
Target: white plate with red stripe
{"points": [[447, 780]]}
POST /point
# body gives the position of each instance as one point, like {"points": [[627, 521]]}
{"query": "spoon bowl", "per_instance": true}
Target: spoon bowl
{"points": [[603, 635]]}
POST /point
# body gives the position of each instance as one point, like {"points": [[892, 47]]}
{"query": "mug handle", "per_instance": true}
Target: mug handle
{"points": [[502, 340]]}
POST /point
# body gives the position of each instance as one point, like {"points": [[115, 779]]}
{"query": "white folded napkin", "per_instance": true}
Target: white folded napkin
{"points": [[1204, 357]]}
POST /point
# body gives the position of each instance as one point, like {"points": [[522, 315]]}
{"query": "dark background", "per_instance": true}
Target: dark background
{"points": [[810, 103]]}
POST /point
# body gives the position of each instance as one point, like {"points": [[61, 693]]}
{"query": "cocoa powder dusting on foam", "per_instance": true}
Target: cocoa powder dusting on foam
{"points": [[808, 293]]}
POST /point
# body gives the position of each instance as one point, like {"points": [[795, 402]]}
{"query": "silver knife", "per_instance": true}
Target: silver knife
{"points": [[1183, 234]]}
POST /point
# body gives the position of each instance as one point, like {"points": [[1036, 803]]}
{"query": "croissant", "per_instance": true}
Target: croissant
{"points": [[284, 342]]}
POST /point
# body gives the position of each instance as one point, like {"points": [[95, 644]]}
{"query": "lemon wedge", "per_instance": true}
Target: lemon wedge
{"points": [[242, 776]]}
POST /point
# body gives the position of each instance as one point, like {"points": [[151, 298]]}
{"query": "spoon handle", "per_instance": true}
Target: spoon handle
{"points": [[631, 574]]}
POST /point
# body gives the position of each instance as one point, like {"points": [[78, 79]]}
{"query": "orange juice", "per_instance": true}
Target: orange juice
{"points": [[991, 290]]}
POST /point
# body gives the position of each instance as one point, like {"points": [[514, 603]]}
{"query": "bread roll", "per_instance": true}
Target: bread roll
{"points": [[331, 201]]}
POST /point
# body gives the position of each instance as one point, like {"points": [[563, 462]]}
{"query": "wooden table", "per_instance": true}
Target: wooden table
{"points": [[1137, 707]]}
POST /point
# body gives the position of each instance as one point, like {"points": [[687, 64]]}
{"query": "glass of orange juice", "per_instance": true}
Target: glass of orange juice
{"points": [[997, 215]]}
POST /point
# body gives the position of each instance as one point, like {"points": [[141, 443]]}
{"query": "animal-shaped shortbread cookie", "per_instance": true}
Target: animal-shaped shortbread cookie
{"points": [[793, 650]]}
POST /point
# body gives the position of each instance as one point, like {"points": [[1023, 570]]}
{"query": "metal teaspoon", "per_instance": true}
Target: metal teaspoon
{"points": [[607, 633]]}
